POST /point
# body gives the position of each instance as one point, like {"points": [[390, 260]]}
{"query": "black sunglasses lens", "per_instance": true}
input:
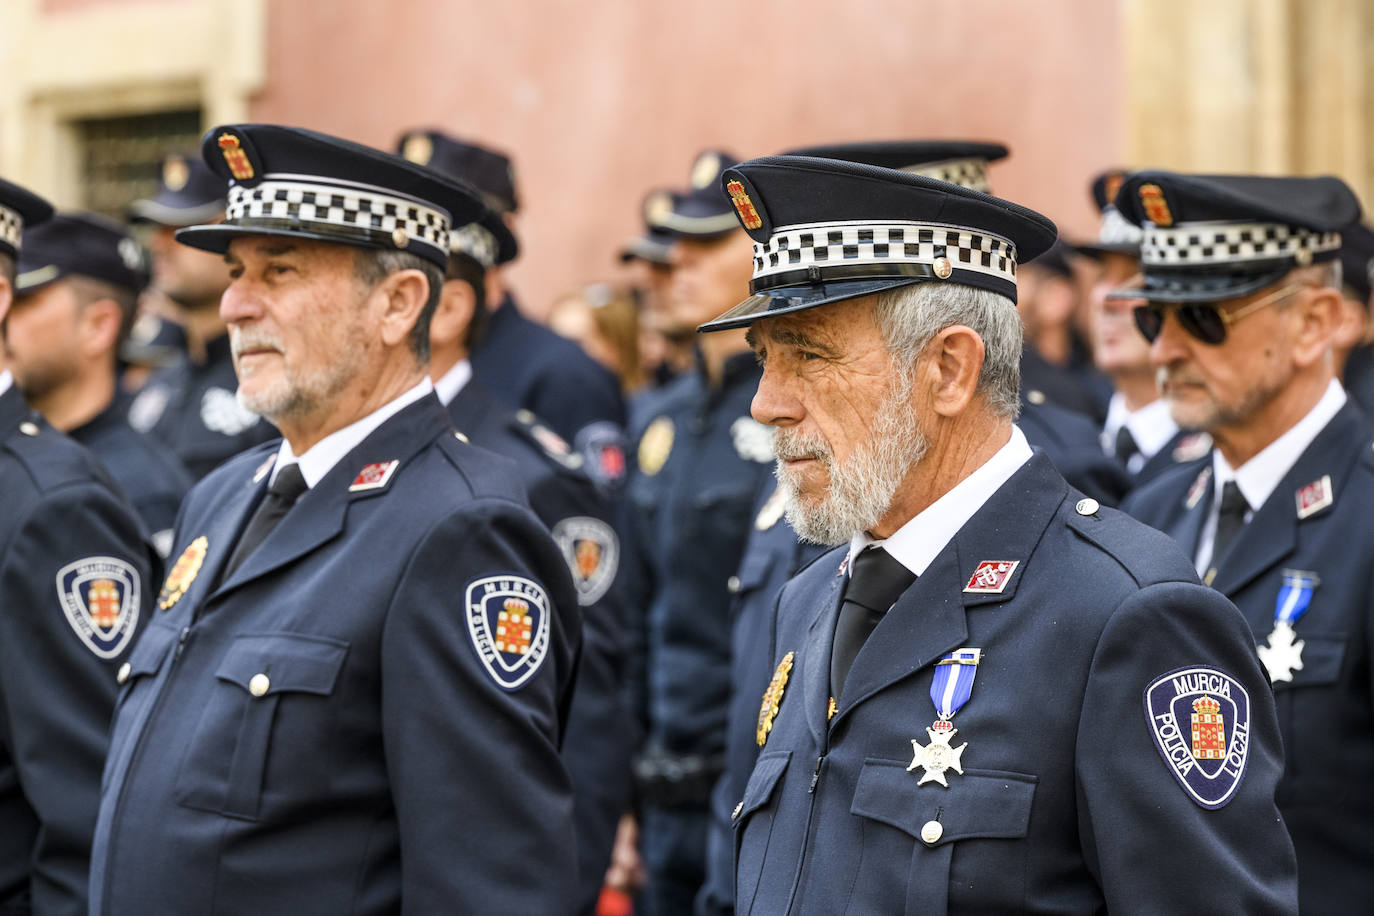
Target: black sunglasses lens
{"points": [[1203, 322], [1149, 319]]}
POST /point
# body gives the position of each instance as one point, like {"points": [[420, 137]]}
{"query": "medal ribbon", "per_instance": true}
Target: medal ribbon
{"points": [[1294, 596], [953, 682]]}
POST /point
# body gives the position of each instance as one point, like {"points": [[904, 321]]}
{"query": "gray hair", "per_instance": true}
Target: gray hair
{"points": [[373, 265], [910, 316]]}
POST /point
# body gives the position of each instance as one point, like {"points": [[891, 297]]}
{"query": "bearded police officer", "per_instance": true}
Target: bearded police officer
{"points": [[598, 739], [79, 279], [995, 695], [190, 406], [1242, 303], [351, 697], [74, 592]]}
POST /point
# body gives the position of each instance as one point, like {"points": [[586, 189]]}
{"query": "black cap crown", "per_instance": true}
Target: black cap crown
{"points": [[701, 211], [826, 231], [1209, 237], [492, 173], [19, 209], [86, 244], [961, 162], [1357, 260], [188, 192], [296, 182]]}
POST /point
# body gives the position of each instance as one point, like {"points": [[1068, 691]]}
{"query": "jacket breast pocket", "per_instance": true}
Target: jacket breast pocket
{"points": [[753, 823], [1312, 707], [928, 826], [270, 699]]}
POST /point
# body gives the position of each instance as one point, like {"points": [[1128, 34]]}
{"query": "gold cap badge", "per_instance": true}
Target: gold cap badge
{"points": [[748, 215], [175, 173], [234, 156], [1156, 207]]}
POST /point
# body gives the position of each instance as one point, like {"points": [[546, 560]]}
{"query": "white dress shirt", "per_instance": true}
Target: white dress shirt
{"points": [[1151, 427], [6, 380], [453, 381]]}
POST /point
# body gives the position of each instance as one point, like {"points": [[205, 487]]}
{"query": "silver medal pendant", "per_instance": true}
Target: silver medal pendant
{"points": [[1283, 655], [937, 756]]}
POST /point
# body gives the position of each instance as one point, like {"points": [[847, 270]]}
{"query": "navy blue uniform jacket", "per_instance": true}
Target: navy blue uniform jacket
{"points": [[1065, 803], [599, 738], [66, 539], [323, 731], [1326, 711]]}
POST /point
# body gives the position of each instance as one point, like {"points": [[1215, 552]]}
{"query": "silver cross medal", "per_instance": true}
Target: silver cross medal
{"points": [[938, 755], [1283, 655]]}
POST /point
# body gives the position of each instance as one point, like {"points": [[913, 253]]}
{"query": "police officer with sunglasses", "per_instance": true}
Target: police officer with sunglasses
{"points": [[1241, 303]]}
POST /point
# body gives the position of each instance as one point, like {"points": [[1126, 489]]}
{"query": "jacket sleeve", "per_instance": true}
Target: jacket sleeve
{"points": [[58, 686], [1150, 845], [482, 798]]}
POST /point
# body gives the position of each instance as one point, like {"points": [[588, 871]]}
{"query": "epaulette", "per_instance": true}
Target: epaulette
{"points": [[548, 442], [50, 458], [1149, 556]]}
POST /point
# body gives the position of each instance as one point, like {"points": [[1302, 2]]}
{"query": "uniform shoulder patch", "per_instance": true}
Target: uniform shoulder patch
{"points": [[1199, 718], [508, 620], [593, 554], [100, 596]]}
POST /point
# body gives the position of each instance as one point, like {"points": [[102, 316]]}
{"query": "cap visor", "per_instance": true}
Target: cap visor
{"points": [[32, 279], [646, 249], [1095, 250], [151, 211], [1198, 287], [788, 299]]}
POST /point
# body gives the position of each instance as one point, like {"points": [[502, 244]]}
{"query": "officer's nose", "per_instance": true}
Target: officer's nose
{"points": [[774, 403], [239, 303], [1171, 344]]}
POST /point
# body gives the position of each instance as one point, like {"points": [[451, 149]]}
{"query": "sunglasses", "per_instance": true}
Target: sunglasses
{"points": [[1204, 320]]}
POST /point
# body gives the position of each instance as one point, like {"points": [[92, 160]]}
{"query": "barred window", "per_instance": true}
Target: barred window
{"points": [[119, 156]]}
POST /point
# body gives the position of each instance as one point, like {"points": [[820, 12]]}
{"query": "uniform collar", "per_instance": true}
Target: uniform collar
{"points": [[917, 543], [1260, 476], [321, 457], [453, 381], [1151, 426]]}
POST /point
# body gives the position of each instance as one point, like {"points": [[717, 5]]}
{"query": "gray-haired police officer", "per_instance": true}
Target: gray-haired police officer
{"points": [[351, 697], [995, 695], [1241, 300], [74, 590]]}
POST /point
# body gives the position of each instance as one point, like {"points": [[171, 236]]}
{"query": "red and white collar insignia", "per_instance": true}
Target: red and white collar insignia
{"points": [[1191, 448], [991, 577], [844, 566], [263, 468], [374, 476], [1198, 488], [1315, 497]]}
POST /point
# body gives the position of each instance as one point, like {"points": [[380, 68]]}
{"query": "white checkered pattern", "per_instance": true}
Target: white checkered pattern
{"points": [[11, 227], [339, 206], [833, 244], [476, 242], [967, 173], [1201, 244]]}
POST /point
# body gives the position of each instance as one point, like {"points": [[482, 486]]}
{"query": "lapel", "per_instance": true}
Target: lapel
{"points": [[229, 520], [930, 618], [1193, 506], [1272, 533], [816, 674], [320, 513]]}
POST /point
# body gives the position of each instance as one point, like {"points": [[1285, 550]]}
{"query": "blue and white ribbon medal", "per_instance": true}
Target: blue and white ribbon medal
{"points": [[1283, 655], [950, 689]]}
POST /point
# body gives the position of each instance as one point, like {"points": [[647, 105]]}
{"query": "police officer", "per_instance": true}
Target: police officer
{"points": [[700, 460], [665, 349], [523, 362], [75, 578], [1242, 301], [599, 738], [350, 698], [79, 279], [191, 406], [1352, 350], [1138, 430], [995, 695]]}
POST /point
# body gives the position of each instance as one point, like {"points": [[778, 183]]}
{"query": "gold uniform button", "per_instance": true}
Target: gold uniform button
{"points": [[258, 684], [931, 832], [1087, 506], [732, 585], [943, 268], [28, 429], [123, 674]]}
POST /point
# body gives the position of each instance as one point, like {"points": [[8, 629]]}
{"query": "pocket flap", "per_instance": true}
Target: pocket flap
{"points": [[1321, 661], [978, 803], [290, 662], [767, 771], [151, 649]]}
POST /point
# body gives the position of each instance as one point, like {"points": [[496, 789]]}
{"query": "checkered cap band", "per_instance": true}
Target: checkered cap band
{"points": [[967, 173], [11, 227], [1117, 230], [1208, 244], [343, 208], [834, 245], [476, 242]]}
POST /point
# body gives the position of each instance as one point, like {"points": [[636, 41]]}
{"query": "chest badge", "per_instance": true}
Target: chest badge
{"points": [[183, 573], [1199, 488], [655, 445], [937, 756], [1315, 497], [772, 699], [991, 577], [950, 689], [1283, 654]]}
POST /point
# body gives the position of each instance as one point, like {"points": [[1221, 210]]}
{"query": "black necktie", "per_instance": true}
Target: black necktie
{"points": [[875, 583], [1126, 449], [1230, 519], [281, 496]]}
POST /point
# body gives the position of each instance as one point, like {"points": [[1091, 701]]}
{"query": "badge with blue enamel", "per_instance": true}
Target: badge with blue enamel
{"points": [[1283, 654], [1199, 718], [950, 689]]}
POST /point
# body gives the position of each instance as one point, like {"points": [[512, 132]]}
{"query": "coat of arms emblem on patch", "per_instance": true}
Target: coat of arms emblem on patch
{"points": [[100, 596], [508, 620]]}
